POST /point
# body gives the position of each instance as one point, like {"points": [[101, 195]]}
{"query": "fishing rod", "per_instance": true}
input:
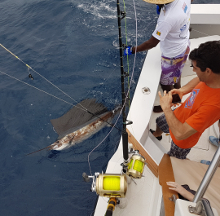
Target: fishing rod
{"points": [[114, 186], [121, 15]]}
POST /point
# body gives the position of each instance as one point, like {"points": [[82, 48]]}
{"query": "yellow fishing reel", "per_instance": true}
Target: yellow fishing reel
{"points": [[136, 165], [111, 185], [108, 185]]}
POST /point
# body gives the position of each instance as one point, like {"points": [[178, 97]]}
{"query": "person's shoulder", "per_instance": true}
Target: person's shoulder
{"points": [[172, 18], [164, 25]]}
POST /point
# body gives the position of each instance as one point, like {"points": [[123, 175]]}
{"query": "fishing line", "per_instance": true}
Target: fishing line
{"points": [[126, 94], [30, 68], [36, 88], [84, 109], [30, 76]]}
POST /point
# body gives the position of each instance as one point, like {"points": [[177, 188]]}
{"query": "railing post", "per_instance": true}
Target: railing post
{"points": [[208, 176]]}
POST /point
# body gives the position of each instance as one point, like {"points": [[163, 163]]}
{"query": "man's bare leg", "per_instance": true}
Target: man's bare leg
{"points": [[158, 132]]}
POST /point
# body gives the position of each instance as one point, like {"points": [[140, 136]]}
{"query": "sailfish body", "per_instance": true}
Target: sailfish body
{"points": [[77, 124]]}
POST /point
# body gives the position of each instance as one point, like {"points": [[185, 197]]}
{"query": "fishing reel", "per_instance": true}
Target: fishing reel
{"points": [[135, 165], [108, 185]]}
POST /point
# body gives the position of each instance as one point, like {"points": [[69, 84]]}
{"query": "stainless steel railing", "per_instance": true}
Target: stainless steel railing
{"points": [[208, 176]]}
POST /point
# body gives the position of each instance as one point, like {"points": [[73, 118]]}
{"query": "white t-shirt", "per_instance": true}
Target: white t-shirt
{"points": [[173, 28]]}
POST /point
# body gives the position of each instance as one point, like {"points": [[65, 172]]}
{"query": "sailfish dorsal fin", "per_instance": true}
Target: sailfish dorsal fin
{"points": [[77, 115]]}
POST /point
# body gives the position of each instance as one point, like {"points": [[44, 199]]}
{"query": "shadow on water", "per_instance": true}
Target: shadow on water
{"points": [[54, 154]]}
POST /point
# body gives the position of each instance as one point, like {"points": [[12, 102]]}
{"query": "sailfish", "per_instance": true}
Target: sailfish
{"points": [[79, 123]]}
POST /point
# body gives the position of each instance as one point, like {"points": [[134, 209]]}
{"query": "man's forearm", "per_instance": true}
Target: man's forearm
{"points": [[144, 46], [149, 44], [190, 86], [188, 195], [180, 130], [174, 124]]}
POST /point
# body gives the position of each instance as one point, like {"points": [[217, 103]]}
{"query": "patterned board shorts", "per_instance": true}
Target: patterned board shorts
{"points": [[172, 68], [174, 151]]}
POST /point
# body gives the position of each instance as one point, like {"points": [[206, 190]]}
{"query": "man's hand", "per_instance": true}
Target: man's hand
{"points": [[165, 100], [128, 51], [177, 91], [181, 190], [180, 130]]}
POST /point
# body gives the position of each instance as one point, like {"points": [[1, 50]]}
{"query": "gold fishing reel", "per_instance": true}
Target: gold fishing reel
{"points": [[109, 185], [136, 165]]}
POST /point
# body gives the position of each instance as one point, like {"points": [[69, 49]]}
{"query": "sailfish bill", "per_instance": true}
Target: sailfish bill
{"points": [[77, 124]]}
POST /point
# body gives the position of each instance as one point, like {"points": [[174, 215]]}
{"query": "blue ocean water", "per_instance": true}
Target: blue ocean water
{"points": [[74, 44]]}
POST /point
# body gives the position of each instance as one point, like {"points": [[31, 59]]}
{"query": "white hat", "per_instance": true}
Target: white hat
{"points": [[159, 1]]}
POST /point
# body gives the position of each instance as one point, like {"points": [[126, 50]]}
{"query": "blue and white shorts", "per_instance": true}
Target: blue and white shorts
{"points": [[175, 150]]}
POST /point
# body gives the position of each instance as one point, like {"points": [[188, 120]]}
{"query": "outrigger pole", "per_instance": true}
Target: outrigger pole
{"points": [[121, 15]]}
